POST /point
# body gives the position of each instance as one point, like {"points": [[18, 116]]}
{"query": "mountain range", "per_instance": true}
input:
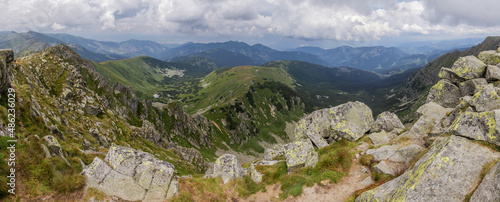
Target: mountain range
{"points": [[384, 60]]}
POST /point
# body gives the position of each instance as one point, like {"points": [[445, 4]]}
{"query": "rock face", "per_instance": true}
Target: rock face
{"points": [[6, 57], [489, 188], [446, 173], [350, 121], [131, 175], [387, 121], [227, 168], [299, 154]]}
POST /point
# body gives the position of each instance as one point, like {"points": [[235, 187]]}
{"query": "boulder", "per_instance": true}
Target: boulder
{"points": [[131, 175], [469, 67], [479, 126], [406, 153], [383, 168], [490, 57], [350, 120], [271, 153], [383, 152], [486, 99], [448, 74], [317, 139], [299, 154], [447, 172], [254, 174], [444, 93], [489, 188], [387, 121], [430, 114], [53, 145], [471, 87], [6, 57], [380, 138], [227, 167], [492, 73]]}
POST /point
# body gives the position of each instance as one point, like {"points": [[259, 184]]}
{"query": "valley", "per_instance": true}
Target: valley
{"points": [[232, 121]]}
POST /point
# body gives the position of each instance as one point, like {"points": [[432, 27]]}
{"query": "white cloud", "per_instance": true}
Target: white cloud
{"points": [[357, 20]]}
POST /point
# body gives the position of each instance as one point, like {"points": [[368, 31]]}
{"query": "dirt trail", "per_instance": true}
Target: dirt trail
{"points": [[328, 192]]}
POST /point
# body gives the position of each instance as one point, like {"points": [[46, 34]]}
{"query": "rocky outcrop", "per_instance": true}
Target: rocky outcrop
{"points": [[469, 67], [131, 175], [350, 121], [227, 167], [387, 121], [299, 154], [6, 57], [491, 57], [447, 172], [489, 188]]}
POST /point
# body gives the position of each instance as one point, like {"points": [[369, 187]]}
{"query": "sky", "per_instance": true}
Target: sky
{"points": [[280, 24]]}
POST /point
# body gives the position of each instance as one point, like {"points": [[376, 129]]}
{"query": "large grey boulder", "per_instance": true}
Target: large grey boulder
{"points": [[489, 189], [6, 57], [430, 114], [479, 126], [406, 153], [471, 87], [469, 67], [254, 174], [383, 152], [447, 172], [492, 73], [448, 74], [380, 138], [131, 175], [227, 167], [383, 168], [444, 93], [350, 121], [299, 154], [53, 145], [271, 153], [490, 57], [486, 99], [387, 121]]}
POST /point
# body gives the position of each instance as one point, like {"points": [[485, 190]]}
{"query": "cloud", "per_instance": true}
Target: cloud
{"points": [[482, 13], [352, 20]]}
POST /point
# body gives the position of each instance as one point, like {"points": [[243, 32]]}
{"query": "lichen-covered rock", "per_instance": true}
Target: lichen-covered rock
{"points": [[448, 74], [383, 152], [6, 57], [350, 121], [447, 172], [492, 73], [227, 167], [131, 175], [471, 87], [489, 189], [387, 121], [383, 168], [486, 99], [299, 154], [317, 139], [444, 93], [489, 57], [469, 67], [479, 126], [406, 153], [380, 138], [271, 153], [430, 114], [53, 144], [254, 174]]}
